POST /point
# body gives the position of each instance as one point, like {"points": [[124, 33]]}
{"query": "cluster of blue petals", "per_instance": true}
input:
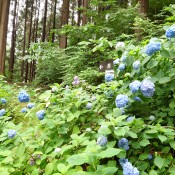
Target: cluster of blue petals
{"points": [[102, 141], [2, 112], [136, 65], [24, 110], [40, 114], [170, 33], [30, 105], [123, 143], [3, 100], [89, 105], [121, 100], [109, 77], [134, 86], [23, 96], [11, 133], [121, 67], [147, 88], [152, 47]]}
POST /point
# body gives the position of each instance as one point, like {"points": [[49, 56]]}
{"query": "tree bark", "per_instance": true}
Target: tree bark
{"points": [[54, 21], [79, 12], [4, 11], [144, 6], [13, 43], [64, 21], [85, 6], [44, 22]]}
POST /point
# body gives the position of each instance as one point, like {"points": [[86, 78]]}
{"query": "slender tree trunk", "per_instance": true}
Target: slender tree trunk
{"points": [[24, 41], [64, 21], [29, 41], [44, 22], [37, 19], [4, 11], [144, 6], [54, 20], [13, 43], [79, 12], [85, 6], [73, 12]]}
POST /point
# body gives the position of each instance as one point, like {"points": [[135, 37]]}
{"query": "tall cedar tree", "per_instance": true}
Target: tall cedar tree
{"points": [[64, 21], [79, 12], [85, 6], [13, 43], [44, 21], [54, 21], [4, 12]]}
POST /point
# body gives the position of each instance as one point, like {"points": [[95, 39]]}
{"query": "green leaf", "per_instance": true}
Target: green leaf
{"points": [[120, 131], [144, 142], [162, 138], [164, 80], [152, 172], [165, 53], [143, 156], [132, 134], [35, 172], [158, 161], [62, 168], [49, 168], [106, 170], [45, 95], [20, 150], [110, 152], [78, 159], [172, 144]]}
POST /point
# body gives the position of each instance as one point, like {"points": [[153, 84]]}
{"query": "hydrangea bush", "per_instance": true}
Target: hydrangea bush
{"points": [[68, 131]]}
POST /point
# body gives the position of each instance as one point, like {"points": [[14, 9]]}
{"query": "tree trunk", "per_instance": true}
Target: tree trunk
{"points": [[44, 23], [79, 12], [4, 11], [54, 20], [24, 41], [85, 6], [13, 43], [64, 21], [29, 41], [144, 5]]}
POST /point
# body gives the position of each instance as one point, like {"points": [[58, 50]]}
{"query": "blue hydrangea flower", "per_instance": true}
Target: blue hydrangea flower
{"points": [[116, 61], [123, 143], [121, 100], [130, 118], [24, 110], [102, 141], [152, 47], [11, 133], [134, 86], [40, 114], [128, 169], [121, 67], [136, 65], [123, 58], [30, 105], [147, 88], [152, 118], [109, 77], [2, 112], [23, 96], [137, 98], [150, 156], [122, 161], [89, 105], [3, 100], [109, 93], [170, 33]]}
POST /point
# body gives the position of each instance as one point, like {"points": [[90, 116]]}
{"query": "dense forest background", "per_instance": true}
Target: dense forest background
{"points": [[51, 40]]}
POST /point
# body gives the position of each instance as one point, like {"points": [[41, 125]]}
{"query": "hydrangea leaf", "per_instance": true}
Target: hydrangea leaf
{"points": [[159, 162], [110, 152], [144, 142]]}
